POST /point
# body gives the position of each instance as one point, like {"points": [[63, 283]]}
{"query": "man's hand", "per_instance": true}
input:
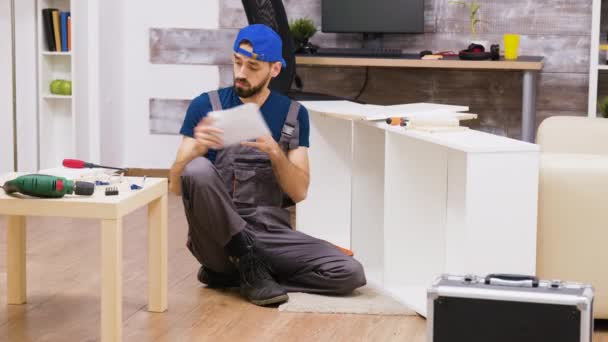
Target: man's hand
{"points": [[291, 170], [205, 137], [175, 187], [208, 136], [266, 144]]}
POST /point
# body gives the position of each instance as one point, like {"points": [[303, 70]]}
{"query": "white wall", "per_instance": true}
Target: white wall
{"points": [[112, 82], [6, 89], [26, 90], [127, 79], [126, 122], [86, 77]]}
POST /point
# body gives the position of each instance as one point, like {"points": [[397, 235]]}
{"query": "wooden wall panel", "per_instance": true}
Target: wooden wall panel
{"points": [[186, 46], [541, 17], [602, 89], [498, 16], [562, 53], [556, 29], [604, 22], [167, 115], [226, 75], [232, 14], [191, 46], [566, 92]]}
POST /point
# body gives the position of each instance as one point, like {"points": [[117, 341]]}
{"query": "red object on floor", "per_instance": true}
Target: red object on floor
{"points": [[345, 251]]}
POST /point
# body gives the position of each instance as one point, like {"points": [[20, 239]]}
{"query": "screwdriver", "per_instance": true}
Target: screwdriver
{"points": [[80, 164]]}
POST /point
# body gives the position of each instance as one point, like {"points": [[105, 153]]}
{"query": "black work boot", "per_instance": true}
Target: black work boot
{"points": [[257, 285], [217, 280]]}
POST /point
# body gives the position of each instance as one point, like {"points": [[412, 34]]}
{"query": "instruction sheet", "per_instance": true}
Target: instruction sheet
{"points": [[240, 123]]}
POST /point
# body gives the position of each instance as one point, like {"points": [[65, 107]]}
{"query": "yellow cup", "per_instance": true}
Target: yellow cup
{"points": [[511, 46]]}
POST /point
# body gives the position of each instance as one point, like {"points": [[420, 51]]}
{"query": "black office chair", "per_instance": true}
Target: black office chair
{"points": [[272, 13]]}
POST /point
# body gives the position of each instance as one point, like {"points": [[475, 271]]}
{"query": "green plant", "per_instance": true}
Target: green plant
{"points": [[473, 8], [302, 29], [602, 106]]}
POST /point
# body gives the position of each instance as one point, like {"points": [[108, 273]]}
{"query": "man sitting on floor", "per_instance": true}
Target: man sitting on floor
{"points": [[233, 196]]}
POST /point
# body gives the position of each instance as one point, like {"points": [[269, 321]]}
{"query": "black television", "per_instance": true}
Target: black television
{"points": [[372, 16]]}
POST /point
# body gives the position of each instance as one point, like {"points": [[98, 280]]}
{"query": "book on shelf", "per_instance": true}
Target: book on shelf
{"points": [[64, 31], [47, 26], [57, 27], [69, 32], [56, 30]]}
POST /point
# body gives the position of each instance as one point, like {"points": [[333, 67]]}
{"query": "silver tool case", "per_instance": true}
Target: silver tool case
{"points": [[503, 307]]}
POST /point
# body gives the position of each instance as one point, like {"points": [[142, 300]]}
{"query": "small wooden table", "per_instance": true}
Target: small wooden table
{"points": [[530, 66], [110, 210]]}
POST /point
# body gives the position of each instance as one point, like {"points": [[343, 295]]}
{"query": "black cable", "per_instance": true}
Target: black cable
{"points": [[298, 83], [364, 83]]}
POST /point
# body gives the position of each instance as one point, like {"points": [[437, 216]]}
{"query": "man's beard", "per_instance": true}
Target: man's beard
{"points": [[249, 91]]}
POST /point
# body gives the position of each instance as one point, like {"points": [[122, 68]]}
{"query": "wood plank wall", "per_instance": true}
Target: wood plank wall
{"points": [[556, 29]]}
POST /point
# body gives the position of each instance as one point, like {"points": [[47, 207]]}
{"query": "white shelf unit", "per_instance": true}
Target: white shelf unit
{"points": [[68, 125], [594, 58], [55, 53], [52, 96], [413, 205], [55, 112]]}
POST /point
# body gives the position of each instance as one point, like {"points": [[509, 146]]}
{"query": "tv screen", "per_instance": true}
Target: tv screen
{"points": [[373, 16]]}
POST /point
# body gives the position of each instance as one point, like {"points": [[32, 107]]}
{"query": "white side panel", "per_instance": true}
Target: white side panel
{"points": [[492, 213], [112, 82], [456, 222], [94, 126], [594, 51], [85, 18], [325, 213], [414, 214], [26, 81], [6, 89], [502, 204], [367, 235]]}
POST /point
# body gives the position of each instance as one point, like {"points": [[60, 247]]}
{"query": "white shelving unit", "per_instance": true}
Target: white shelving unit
{"points": [[55, 112], [413, 205], [68, 126], [594, 58]]}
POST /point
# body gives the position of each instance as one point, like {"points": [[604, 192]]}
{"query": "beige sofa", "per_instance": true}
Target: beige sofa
{"points": [[573, 203]]}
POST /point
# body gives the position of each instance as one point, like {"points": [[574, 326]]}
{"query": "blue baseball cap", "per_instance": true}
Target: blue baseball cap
{"points": [[267, 44]]}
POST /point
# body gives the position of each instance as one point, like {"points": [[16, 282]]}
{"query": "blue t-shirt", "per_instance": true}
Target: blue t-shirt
{"points": [[274, 111]]}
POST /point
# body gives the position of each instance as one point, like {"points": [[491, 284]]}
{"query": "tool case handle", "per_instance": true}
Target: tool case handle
{"points": [[511, 280]]}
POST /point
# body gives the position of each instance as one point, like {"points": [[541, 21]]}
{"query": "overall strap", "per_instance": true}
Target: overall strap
{"points": [[214, 97], [290, 134]]}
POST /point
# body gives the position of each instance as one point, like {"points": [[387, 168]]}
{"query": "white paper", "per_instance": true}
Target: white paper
{"points": [[240, 123], [372, 112], [415, 110]]}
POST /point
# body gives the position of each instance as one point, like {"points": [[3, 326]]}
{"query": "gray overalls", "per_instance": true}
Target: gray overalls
{"points": [[241, 192]]}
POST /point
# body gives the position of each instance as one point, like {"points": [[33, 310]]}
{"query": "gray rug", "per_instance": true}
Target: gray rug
{"points": [[366, 300]]}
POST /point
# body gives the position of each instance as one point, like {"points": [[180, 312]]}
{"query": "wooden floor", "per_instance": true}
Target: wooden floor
{"points": [[63, 295]]}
